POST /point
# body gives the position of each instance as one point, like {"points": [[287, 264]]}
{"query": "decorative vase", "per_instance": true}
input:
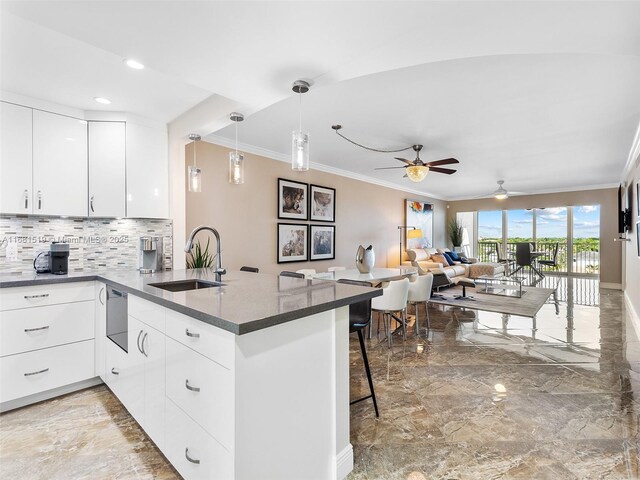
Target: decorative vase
{"points": [[365, 259]]}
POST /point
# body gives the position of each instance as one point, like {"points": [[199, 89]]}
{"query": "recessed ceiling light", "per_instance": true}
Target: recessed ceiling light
{"points": [[134, 64], [104, 101]]}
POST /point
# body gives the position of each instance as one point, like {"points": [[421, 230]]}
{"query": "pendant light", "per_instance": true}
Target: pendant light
{"points": [[236, 160], [194, 174], [300, 139]]}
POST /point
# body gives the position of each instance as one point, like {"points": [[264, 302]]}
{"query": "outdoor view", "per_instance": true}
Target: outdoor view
{"points": [[550, 235]]}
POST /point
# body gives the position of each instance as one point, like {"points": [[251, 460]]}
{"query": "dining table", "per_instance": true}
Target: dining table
{"points": [[533, 255], [376, 276]]}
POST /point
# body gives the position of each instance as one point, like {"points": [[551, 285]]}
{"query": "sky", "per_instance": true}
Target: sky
{"points": [[550, 222]]}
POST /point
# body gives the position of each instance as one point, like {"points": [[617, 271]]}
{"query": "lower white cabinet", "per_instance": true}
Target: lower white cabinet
{"points": [[203, 389], [137, 377], [40, 370], [192, 451]]}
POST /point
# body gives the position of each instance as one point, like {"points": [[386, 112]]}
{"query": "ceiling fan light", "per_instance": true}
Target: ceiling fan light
{"points": [[417, 173], [501, 195]]}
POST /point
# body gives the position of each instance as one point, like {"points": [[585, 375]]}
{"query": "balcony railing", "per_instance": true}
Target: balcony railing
{"points": [[586, 255]]}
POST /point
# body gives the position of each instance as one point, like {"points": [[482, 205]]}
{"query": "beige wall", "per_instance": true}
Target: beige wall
{"points": [[246, 215], [610, 251], [631, 265]]}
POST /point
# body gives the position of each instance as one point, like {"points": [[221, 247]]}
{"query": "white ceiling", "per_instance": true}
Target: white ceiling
{"points": [[542, 94]]}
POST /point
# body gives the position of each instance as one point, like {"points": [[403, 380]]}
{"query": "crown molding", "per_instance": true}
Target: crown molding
{"points": [[229, 143]]}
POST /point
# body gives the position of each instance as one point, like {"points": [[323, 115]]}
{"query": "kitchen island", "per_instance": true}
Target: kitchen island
{"points": [[248, 379]]}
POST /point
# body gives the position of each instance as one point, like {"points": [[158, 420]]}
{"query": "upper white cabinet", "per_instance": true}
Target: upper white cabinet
{"points": [[60, 172], [15, 158], [147, 172], [107, 169]]}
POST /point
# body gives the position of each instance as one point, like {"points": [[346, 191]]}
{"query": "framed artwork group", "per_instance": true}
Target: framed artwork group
{"points": [[305, 202]]}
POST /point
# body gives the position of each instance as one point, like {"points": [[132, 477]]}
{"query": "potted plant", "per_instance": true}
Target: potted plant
{"points": [[199, 258], [455, 233]]}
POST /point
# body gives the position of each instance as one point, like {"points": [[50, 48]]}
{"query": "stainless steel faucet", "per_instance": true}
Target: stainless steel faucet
{"points": [[219, 271]]}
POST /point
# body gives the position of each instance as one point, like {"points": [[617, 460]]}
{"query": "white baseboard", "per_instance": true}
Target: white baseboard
{"points": [[56, 392], [344, 462], [611, 286], [635, 318]]}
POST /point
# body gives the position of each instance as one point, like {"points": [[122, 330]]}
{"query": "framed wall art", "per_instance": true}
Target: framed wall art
{"points": [[419, 215], [322, 242], [322, 204], [292, 200], [292, 243]]}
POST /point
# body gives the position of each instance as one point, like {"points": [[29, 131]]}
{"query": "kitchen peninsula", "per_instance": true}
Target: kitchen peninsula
{"points": [[247, 379]]}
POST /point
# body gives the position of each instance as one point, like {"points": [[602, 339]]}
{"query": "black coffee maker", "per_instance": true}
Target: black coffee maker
{"points": [[59, 258]]}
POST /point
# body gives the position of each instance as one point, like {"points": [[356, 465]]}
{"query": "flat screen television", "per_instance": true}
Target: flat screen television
{"points": [[624, 209]]}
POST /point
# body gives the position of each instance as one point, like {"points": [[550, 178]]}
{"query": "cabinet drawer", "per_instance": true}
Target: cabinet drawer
{"points": [[148, 312], [33, 372], [185, 438], [210, 341], [29, 329], [40, 295], [208, 395]]}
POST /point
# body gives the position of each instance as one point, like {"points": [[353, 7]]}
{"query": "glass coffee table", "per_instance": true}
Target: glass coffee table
{"points": [[500, 285]]}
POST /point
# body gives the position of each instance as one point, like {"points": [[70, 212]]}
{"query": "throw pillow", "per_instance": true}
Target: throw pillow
{"points": [[440, 259], [449, 259], [454, 256], [464, 260]]}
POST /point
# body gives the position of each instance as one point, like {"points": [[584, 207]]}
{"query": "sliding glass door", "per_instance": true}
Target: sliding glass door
{"points": [[569, 237]]}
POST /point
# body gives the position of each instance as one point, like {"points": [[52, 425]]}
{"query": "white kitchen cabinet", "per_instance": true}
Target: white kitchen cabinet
{"points": [[100, 328], [137, 377], [60, 171], [15, 158], [147, 172], [46, 341], [107, 153]]}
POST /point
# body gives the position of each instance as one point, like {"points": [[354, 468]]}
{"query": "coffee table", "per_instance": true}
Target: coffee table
{"points": [[500, 285]]}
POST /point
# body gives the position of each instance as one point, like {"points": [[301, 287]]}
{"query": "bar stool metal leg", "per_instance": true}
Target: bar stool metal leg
{"points": [[365, 359]]}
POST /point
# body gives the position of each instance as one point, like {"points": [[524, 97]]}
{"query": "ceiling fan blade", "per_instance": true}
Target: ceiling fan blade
{"points": [[386, 168], [448, 171], [444, 161], [404, 160]]}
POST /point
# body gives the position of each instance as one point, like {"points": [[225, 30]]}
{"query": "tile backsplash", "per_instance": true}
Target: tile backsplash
{"points": [[94, 243]]}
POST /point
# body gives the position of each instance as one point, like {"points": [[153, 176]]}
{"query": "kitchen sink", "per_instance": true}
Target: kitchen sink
{"points": [[184, 285]]}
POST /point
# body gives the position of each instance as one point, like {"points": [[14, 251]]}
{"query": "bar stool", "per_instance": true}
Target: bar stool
{"points": [[393, 300], [359, 318], [420, 292]]}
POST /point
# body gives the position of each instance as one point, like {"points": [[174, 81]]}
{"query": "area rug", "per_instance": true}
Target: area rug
{"points": [[527, 306]]}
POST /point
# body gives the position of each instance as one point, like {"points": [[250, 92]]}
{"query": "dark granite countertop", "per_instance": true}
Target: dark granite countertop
{"points": [[245, 303]]}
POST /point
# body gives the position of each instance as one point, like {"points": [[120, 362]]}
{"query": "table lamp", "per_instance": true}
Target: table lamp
{"points": [[412, 233]]}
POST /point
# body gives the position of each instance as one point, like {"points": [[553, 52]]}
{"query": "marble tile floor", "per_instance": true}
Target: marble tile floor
{"points": [[480, 396]]}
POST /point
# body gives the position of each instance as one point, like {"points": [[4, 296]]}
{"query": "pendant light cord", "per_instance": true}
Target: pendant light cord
{"points": [[338, 127], [194, 154], [236, 122], [300, 111]]}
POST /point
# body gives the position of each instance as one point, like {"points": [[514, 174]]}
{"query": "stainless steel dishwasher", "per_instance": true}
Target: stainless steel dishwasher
{"points": [[117, 317]]}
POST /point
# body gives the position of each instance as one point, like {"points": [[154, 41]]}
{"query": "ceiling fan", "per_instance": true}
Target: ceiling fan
{"points": [[501, 193], [417, 170]]}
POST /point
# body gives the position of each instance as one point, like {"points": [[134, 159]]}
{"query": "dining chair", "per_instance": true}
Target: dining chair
{"points": [[420, 292], [285, 273], [359, 319], [504, 260], [553, 261], [249, 269], [392, 301], [307, 272], [336, 269], [523, 257]]}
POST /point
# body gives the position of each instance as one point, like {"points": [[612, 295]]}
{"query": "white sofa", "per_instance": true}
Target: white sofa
{"points": [[421, 259]]}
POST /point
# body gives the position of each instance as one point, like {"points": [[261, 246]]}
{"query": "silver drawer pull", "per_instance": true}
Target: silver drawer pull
{"points": [[27, 330], [114, 371], [36, 373], [189, 387], [192, 460], [191, 334], [44, 295]]}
